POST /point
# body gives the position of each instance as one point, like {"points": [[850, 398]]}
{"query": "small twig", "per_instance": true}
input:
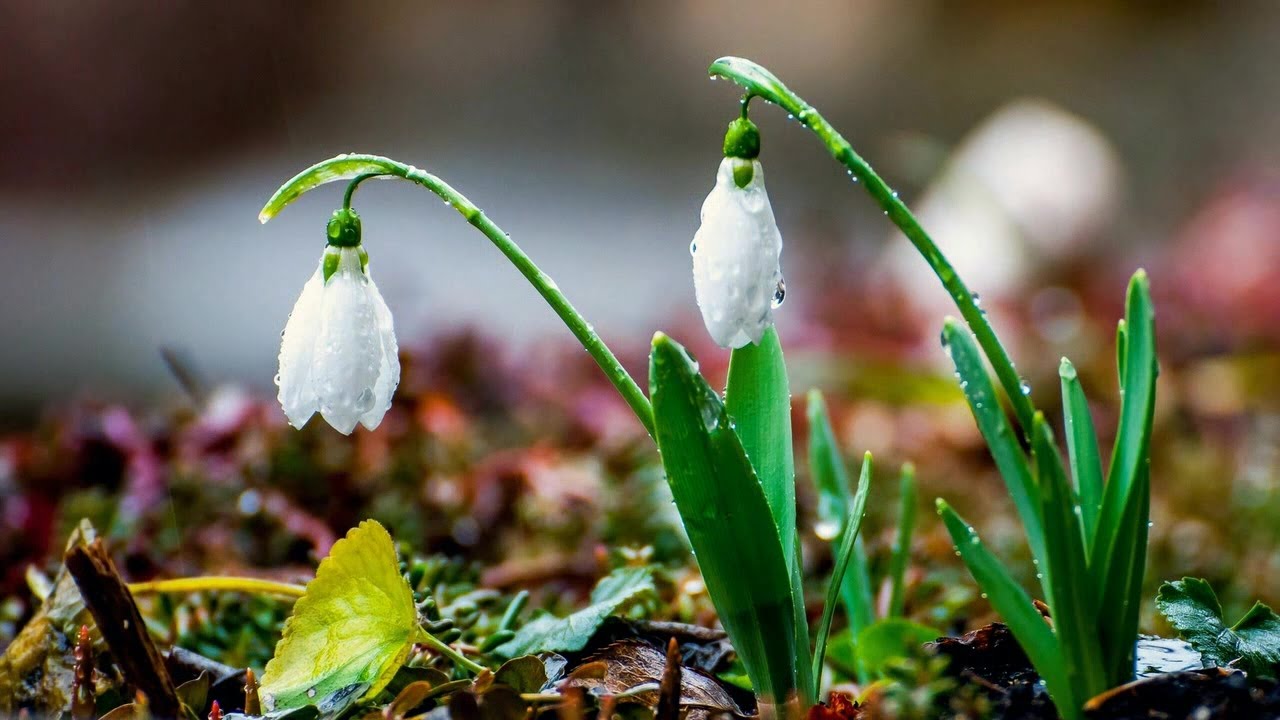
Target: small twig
{"points": [[251, 586], [121, 625], [669, 690]]}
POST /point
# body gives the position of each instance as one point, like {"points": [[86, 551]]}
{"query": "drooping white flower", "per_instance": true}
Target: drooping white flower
{"points": [[736, 272], [338, 355]]}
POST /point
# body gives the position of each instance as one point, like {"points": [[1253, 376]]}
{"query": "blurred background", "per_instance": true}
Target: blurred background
{"points": [[139, 141], [1051, 147]]}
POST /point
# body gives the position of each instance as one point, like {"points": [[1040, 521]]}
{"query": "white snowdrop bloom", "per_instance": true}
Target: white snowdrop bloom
{"points": [[338, 356], [736, 272]]}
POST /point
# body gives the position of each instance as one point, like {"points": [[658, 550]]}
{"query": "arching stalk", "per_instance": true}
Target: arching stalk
{"points": [[362, 167], [761, 83]]}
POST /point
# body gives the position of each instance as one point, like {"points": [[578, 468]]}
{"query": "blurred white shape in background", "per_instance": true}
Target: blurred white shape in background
{"points": [[1031, 185]]}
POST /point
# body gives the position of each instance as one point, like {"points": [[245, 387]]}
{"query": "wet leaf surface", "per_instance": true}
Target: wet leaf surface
{"points": [[637, 667]]}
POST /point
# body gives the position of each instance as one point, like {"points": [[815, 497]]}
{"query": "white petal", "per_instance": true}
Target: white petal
{"points": [[297, 351], [349, 347], [735, 259], [389, 371]]}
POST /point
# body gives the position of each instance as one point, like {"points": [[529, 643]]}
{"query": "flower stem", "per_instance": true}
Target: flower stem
{"points": [[359, 168], [759, 82], [447, 650], [253, 586]]}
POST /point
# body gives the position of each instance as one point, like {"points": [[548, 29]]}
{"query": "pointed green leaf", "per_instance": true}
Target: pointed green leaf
{"points": [[1015, 607], [548, 633], [901, 557], [1082, 448], [994, 425], [1137, 407], [728, 521], [835, 493], [354, 626], [758, 400], [852, 526], [1071, 600], [1118, 556]]}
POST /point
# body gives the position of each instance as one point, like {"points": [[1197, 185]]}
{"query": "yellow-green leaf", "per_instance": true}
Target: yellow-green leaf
{"points": [[355, 624]]}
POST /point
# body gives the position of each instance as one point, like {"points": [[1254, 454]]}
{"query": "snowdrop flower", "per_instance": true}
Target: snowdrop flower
{"points": [[736, 275], [339, 354]]}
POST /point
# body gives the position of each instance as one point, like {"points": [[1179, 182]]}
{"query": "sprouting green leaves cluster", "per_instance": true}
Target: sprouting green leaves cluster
{"points": [[1088, 539]]}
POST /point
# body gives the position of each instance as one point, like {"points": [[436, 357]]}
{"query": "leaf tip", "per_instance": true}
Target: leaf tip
{"points": [[1066, 370], [941, 505]]}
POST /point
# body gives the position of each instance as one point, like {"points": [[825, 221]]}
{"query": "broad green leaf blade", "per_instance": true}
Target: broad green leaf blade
{"points": [[1071, 600], [1082, 449], [1192, 608], [1259, 634], [901, 557], [852, 526], [1253, 643], [547, 633], [826, 465], [728, 521], [994, 425], [347, 166], [355, 625], [893, 638], [758, 400], [1015, 607]]}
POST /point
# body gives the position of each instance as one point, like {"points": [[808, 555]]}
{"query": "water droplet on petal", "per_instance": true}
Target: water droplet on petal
{"points": [[693, 247], [779, 293]]}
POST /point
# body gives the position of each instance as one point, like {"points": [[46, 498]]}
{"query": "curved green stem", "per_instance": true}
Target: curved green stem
{"points": [[351, 188], [361, 167], [252, 586], [448, 651], [759, 82]]}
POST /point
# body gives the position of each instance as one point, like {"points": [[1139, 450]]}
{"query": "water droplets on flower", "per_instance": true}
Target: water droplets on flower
{"points": [[779, 293]]}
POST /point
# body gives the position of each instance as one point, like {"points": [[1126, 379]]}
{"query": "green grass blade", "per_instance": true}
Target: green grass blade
{"points": [[852, 527], [1071, 599], [826, 465], [1082, 449], [758, 398], [901, 557], [1014, 605], [728, 521], [994, 426]]}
